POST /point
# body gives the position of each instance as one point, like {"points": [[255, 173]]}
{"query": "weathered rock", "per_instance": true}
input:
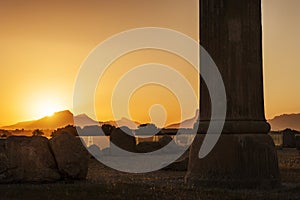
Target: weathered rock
{"points": [[70, 155], [68, 129], [146, 147], [288, 139], [105, 151], [165, 140], [30, 160], [121, 138], [107, 129], [238, 160]]}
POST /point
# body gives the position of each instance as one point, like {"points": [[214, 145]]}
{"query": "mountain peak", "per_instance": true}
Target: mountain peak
{"points": [[63, 112], [63, 118], [57, 120], [284, 121], [188, 123]]}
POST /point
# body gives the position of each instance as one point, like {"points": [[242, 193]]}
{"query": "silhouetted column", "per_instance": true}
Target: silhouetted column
{"points": [[231, 32]]}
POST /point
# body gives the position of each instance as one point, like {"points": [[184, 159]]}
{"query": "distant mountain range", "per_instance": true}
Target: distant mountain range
{"points": [[64, 118], [57, 120], [189, 123], [281, 122], [285, 121]]}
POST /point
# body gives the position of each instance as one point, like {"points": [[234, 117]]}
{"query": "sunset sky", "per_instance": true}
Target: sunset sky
{"points": [[43, 44]]}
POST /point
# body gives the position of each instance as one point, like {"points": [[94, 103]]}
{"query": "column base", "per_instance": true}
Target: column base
{"points": [[238, 127], [237, 161]]}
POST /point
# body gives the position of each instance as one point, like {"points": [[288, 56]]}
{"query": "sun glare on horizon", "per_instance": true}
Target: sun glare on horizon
{"points": [[46, 108], [48, 112]]}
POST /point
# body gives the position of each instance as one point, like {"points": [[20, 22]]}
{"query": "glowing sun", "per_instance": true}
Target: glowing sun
{"points": [[46, 108], [48, 111]]}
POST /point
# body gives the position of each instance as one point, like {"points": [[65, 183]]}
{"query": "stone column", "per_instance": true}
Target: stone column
{"points": [[245, 156]]}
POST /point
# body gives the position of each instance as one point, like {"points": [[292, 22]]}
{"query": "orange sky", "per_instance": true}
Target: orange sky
{"points": [[43, 44]]}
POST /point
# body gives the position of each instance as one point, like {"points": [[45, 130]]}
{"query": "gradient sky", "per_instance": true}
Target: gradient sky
{"points": [[43, 44]]}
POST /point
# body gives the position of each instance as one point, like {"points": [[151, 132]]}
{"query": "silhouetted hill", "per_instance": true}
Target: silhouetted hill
{"points": [[64, 118], [123, 122], [57, 120], [84, 120], [189, 123], [282, 122]]}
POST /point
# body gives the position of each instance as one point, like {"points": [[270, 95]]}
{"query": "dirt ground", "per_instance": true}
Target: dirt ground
{"points": [[105, 183]]}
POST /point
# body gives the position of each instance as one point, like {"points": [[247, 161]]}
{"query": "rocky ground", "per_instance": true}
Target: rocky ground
{"points": [[105, 183]]}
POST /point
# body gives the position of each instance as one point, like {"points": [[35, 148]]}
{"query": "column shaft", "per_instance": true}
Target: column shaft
{"points": [[231, 32]]}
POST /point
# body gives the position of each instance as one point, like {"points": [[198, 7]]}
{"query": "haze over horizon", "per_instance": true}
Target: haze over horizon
{"points": [[44, 44], [87, 117]]}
